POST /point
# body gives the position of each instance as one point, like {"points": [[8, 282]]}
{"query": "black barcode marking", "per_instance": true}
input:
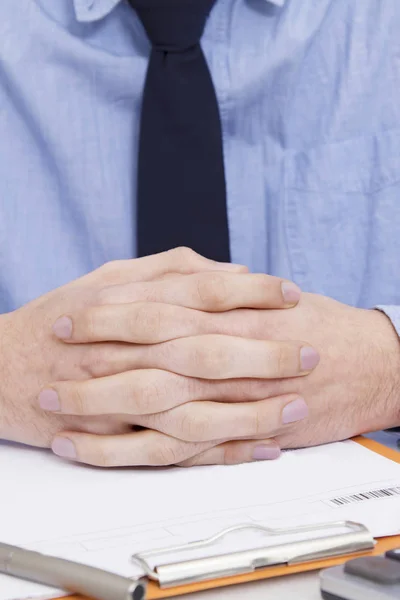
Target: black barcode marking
{"points": [[372, 495]]}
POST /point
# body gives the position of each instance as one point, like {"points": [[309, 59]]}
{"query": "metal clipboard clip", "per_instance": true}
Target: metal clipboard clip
{"points": [[357, 538]]}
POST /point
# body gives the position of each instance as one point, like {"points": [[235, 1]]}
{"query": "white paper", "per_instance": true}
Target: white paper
{"points": [[101, 517]]}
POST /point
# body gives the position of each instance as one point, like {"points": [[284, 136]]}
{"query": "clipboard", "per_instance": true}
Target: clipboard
{"points": [[285, 559]]}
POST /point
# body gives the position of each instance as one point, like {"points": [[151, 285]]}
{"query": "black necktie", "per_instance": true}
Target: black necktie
{"points": [[181, 181]]}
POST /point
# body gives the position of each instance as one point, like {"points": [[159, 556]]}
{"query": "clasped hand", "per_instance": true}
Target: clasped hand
{"points": [[170, 359], [142, 344]]}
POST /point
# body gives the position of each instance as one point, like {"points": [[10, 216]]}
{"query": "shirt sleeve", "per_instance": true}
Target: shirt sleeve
{"points": [[393, 312]]}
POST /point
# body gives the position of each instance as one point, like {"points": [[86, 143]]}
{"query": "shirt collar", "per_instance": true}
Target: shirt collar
{"points": [[94, 10]]}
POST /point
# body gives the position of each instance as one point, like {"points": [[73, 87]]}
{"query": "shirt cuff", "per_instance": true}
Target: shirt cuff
{"points": [[393, 312]]}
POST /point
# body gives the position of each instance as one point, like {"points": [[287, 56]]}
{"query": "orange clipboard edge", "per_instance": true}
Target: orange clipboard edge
{"points": [[154, 592]]}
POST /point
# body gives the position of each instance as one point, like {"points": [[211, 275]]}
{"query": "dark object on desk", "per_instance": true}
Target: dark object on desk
{"points": [[393, 554], [395, 430], [366, 578], [374, 568]]}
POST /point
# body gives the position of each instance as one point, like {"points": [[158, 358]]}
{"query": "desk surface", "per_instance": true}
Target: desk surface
{"points": [[296, 587]]}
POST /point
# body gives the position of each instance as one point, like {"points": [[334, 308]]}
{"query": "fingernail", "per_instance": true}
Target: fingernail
{"points": [[294, 411], [48, 400], [63, 447], [63, 328], [290, 292], [309, 358], [265, 452]]}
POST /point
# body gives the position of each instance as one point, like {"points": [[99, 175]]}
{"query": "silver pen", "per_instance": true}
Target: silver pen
{"points": [[67, 575]]}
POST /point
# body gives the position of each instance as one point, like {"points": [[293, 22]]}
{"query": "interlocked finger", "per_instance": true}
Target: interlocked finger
{"points": [[136, 449], [178, 260], [150, 448], [209, 291], [135, 323], [207, 421], [143, 392], [228, 357], [151, 312], [234, 453]]}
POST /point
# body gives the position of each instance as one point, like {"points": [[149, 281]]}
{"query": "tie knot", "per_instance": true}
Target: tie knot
{"points": [[173, 25]]}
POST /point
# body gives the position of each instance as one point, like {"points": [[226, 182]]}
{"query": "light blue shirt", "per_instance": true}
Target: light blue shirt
{"points": [[309, 95]]}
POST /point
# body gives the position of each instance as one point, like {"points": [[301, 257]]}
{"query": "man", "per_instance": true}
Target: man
{"points": [[274, 144]]}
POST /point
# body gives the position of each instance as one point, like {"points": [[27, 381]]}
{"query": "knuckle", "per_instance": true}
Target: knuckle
{"points": [[212, 290], [186, 253], [110, 272], [183, 255], [281, 360], [78, 399], [257, 421], [106, 267], [233, 454], [252, 422], [267, 284], [95, 361], [89, 322]]}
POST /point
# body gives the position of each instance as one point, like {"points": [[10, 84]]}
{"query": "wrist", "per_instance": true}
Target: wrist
{"points": [[3, 374], [387, 372], [9, 379]]}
